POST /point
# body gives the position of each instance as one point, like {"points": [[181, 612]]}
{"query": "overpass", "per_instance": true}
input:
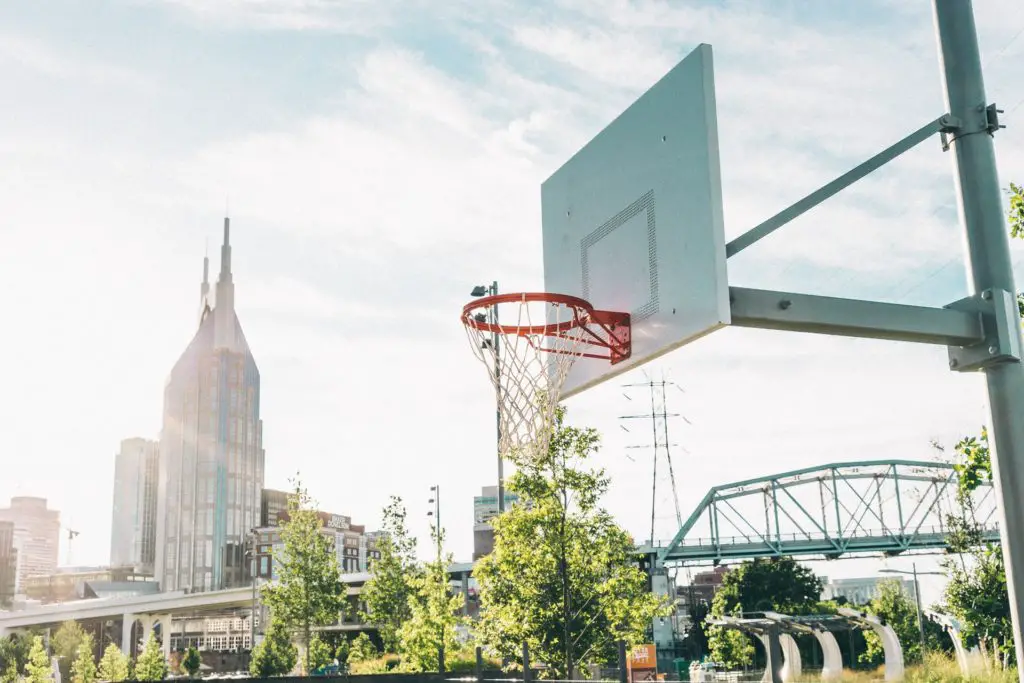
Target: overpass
{"points": [[161, 608], [828, 511]]}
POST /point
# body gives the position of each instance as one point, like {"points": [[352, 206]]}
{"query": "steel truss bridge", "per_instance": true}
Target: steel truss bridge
{"points": [[887, 507]]}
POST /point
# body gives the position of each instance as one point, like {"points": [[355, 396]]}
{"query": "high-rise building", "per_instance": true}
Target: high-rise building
{"points": [[133, 525], [485, 508], [8, 563], [273, 505], [36, 536], [211, 449]]}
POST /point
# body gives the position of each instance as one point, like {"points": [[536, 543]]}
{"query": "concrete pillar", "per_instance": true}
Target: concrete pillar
{"points": [[662, 627], [126, 633], [165, 629], [792, 665], [832, 658]]}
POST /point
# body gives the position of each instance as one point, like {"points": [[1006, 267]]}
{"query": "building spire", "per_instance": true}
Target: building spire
{"points": [[224, 312], [204, 289]]}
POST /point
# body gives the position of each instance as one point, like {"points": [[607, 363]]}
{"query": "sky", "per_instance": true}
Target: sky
{"points": [[379, 159]]}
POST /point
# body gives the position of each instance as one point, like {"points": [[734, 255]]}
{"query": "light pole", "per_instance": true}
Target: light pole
{"points": [[253, 566], [435, 490], [492, 290], [917, 596]]}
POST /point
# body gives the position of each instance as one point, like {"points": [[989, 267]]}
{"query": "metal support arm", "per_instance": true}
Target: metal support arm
{"points": [[788, 311], [944, 123]]}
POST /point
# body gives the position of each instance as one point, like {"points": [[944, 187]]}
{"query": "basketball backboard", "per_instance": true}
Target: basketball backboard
{"points": [[633, 222]]}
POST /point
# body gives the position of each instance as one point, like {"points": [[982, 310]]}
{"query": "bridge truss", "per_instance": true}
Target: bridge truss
{"points": [[887, 507]]}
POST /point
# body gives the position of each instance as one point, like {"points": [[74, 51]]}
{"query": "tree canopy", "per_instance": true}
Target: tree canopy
{"points": [[275, 655], [308, 591], [83, 670], [563, 576], [387, 592], [114, 665], [151, 665]]}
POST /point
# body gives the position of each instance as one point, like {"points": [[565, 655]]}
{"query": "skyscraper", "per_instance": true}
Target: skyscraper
{"points": [[133, 526], [211, 449], [36, 536], [8, 563]]}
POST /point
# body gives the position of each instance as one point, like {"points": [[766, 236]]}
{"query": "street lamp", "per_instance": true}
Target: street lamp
{"points": [[435, 499], [492, 290], [917, 596]]}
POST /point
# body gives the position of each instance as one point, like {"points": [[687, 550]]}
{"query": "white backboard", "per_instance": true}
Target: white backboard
{"points": [[633, 222]]}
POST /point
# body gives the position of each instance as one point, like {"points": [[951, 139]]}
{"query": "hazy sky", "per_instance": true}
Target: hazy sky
{"points": [[381, 158]]}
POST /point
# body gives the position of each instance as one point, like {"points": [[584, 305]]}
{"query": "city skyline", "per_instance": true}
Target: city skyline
{"points": [[378, 170]]}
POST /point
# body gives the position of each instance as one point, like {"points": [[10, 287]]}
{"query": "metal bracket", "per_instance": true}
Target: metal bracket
{"points": [[999, 320], [952, 128]]}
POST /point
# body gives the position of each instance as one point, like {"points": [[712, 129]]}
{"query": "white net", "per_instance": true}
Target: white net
{"points": [[528, 356]]}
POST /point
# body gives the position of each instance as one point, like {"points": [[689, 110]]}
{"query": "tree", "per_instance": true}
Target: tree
{"points": [[38, 669], [151, 665], [309, 591], [275, 655], [899, 611], [14, 651], [65, 643], [341, 652], [191, 662], [83, 670], [362, 650], [562, 577], [433, 618], [387, 592], [764, 584], [114, 665], [319, 653], [977, 595]]}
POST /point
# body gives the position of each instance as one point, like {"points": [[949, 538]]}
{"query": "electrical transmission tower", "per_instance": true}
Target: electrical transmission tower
{"points": [[659, 418]]}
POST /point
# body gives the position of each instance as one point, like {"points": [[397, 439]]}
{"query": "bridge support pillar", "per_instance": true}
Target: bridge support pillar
{"points": [[128, 621], [664, 636]]}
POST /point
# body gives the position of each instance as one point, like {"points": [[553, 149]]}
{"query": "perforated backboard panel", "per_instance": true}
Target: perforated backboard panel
{"points": [[633, 221]]}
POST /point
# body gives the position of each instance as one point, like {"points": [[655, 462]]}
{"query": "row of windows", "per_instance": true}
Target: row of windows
{"points": [[213, 643]]}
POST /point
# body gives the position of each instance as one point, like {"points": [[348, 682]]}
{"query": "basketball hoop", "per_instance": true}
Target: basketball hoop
{"points": [[529, 360]]}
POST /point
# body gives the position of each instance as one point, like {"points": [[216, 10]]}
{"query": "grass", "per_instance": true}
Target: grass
{"points": [[937, 668]]}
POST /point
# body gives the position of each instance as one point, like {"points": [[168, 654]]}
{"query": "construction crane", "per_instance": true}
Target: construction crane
{"points": [[72, 534]]}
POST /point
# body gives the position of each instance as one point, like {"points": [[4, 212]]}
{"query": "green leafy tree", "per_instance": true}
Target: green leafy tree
{"points": [[275, 655], [389, 587], [319, 653], [151, 665], [730, 647], [14, 651], [37, 669], [563, 576], [1016, 214], [433, 618], [64, 644], [114, 665], [341, 652], [899, 611], [362, 650], [775, 584], [308, 592], [83, 670], [191, 662], [977, 595]]}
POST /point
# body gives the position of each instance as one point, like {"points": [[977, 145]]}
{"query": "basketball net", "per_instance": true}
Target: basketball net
{"points": [[529, 356]]}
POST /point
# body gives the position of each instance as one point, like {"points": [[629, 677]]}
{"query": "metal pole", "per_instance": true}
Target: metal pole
{"points": [[623, 668], [989, 267], [920, 615], [252, 613], [495, 341]]}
